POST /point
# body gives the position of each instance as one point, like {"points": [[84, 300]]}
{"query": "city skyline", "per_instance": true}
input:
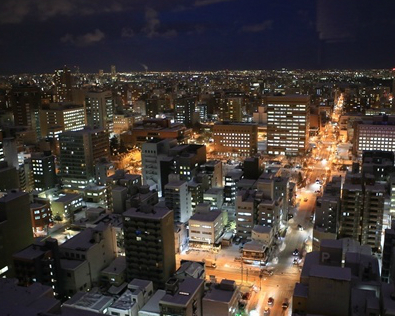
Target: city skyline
{"points": [[194, 35]]}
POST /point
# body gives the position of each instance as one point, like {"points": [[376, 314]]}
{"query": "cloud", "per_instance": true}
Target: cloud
{"points": [[127, 32], [152, 22], [201, 3], [151, 28], [16, 11], [255, 28], [83, 40]]}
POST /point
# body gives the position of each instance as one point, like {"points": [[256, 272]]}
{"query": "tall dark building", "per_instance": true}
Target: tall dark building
{"points": [[15, 228], [185, 109], [25, 103], [63, 83], [40, 262], [44, 171], [149, 244]]}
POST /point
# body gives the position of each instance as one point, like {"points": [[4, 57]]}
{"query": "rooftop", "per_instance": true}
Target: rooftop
{"points": [[328, 272], [210, 216], [186, 291], [152, 305]]}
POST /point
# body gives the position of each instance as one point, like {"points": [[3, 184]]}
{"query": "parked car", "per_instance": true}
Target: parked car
{"points": [[296, 252], [266, 311], [270, 301], [285, 304]]}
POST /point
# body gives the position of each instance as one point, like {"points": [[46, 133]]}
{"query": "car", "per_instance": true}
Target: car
{"points": [[246, 296], [266, 311], [296, 252], [295, 261], [300, 227], [270, 301], [285, 304], [238, 240], [306, 199], [266, 272]]}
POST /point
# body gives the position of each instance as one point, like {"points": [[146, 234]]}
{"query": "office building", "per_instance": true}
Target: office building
{"points": [[125, 122], [374, 135], [149, 244], [185, 110], [56, 118], [43, 170], [235, 139], [79, 151], [63, 85], [201, 108], [100, 110], [206, 226], [66, 205], [288, 124], [15, 226], [178, 199]]}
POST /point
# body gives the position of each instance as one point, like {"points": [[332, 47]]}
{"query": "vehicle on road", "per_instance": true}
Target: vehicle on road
{"points": [[300, 227], [210, 263], [285, 304], [306, 199], [246, 296], [270, 301], [266, 311], [296, 252], [295, 261]]}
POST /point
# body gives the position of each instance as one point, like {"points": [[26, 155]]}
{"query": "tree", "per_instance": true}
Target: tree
{"points": [[114, 145]]}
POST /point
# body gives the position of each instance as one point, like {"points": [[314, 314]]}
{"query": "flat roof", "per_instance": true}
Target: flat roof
{"points": [[210, 216], [157, 212], [118, 265], [85, 239], [152, 305], [218, 294], [89, 300], [329, 272], [186, 291]]}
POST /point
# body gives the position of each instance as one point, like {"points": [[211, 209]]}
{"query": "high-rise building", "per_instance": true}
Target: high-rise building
{"points": [[56, 118], [362, 209], [25, 102], [63, 84], [288, 123], [156, 164], [233, 108], [235, 139], [44, 171], [79, 151], [15, 228], [178, 199], [149, 244], [185, 109], [113, 71], [388, 262], [374, 135], [100, 110]]}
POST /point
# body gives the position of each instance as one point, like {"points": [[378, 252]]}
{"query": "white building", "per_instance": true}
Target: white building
{"points": [[178, 198], [206, 226]]}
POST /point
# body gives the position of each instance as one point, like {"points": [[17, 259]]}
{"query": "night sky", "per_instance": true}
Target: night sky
{"points": [[181, 35]]}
